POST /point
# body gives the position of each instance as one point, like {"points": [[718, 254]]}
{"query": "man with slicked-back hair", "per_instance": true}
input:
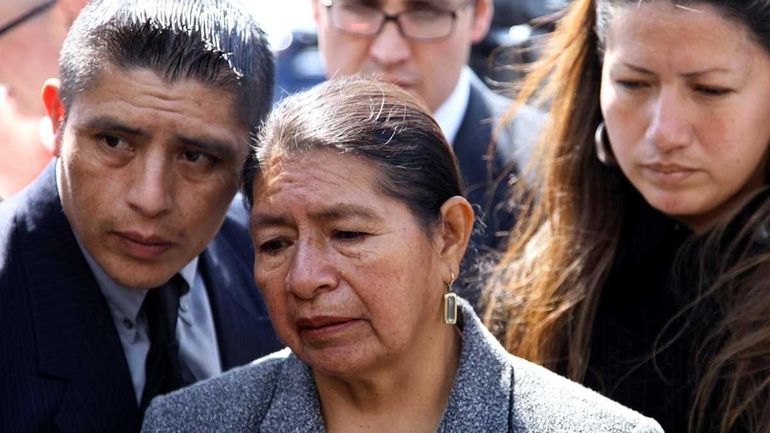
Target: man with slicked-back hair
{"points": [[125, 269]]}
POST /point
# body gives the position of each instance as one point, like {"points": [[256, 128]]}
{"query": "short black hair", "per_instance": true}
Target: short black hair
{"points": [[375, 121], [216, 42]]}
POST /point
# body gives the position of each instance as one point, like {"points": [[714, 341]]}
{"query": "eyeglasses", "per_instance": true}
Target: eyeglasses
{"points": [[426, 24], [32, 13]]}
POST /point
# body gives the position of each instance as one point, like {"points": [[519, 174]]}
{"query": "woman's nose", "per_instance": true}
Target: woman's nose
{"points": [[670, 125], [311, 271]]}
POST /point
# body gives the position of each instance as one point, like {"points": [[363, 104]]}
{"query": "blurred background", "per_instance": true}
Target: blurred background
{"points": [[32, 31], [516, 23]]}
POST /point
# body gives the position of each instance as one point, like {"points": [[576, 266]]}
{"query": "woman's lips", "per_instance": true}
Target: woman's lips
{"points": [[144, 247], [668, 174], [319, 327]]}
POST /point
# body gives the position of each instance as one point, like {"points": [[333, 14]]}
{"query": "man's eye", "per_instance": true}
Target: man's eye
{"points": [[191, 155], [111, 141], [197, 157]]}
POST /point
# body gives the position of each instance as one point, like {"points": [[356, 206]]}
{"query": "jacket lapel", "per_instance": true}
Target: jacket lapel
{"points": [[482, 394], [75, 336], [295, 389], [242, 323]]}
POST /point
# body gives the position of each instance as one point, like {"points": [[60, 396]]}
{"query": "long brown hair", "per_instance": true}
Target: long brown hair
{"points": [[542, 298]]}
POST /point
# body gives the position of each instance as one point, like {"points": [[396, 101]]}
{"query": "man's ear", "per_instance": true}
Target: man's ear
{"points": [[316, 12], [455, 231], [55, 110], [482, 19]]}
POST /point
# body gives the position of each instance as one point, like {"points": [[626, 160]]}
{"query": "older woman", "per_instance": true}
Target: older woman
{"points": [[644, 270], [359, 229]]}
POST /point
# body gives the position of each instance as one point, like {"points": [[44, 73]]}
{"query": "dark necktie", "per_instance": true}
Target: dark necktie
{"points": [[164, 372]]}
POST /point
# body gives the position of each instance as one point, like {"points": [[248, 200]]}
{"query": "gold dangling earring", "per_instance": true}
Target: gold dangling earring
{"points": [[450, 303]]}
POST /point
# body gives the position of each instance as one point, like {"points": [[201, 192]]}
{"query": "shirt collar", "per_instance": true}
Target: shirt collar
{"points": [[449, 115]]}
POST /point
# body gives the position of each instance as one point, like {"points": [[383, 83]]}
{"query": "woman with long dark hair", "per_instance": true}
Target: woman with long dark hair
{"points": [[643, 266]]}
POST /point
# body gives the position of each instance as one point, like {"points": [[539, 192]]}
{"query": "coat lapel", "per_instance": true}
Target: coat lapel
{"points": [[75, 336], [482, 394], [295, 394], [242, 323], [473, 142]]}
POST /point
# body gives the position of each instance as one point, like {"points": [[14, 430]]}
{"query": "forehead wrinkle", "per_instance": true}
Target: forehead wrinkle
{"points": [[306, 182], [637, 49], [341, 211]]}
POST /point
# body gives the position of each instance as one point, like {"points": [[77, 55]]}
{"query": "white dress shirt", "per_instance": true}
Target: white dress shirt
{"points": [[451, 113]]}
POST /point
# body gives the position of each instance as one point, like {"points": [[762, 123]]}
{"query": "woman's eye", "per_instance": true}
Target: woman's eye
{"points": [[346, 235], [272, 246], [631, 84], [712, 90]]}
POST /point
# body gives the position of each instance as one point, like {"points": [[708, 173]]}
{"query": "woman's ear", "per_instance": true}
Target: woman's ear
{"points": [[55, 110], [457, 225]]}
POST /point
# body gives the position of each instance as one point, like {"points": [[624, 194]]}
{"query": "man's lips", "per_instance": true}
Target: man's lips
{"points": [[400, 81], [143, 246]]}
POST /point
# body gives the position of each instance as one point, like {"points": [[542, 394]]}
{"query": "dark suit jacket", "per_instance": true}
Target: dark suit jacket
{"points": [[488, 162], [62, 366]]}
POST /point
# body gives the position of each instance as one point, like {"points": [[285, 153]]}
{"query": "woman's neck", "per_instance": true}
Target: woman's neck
{"points": [[409, 394]]}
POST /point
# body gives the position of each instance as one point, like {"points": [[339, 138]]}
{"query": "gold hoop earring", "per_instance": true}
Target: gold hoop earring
{"points": [[450, 303], [603, 149]]}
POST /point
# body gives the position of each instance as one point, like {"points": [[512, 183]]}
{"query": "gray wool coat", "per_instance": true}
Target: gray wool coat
{"points": [[493, 392]]}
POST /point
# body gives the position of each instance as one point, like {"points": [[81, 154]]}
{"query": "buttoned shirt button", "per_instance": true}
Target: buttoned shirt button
{"points": [[128, 324]]}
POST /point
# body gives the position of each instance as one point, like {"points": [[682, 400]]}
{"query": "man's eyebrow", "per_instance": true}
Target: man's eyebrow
{"points": [[110, 124], [438, 4], [213, 145], [106, 123]]}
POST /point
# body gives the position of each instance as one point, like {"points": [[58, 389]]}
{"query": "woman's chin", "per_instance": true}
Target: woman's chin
{"points": [[339, 361]]}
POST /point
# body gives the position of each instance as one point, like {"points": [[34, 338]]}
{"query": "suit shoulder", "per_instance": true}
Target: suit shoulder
{"points": [[233, 401], [8, 227], [516, 136], [235, 227], [547, 402], [237, 217]]}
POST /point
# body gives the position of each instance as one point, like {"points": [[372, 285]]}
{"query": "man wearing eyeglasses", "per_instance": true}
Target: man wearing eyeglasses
{"points": [[424, 46]]}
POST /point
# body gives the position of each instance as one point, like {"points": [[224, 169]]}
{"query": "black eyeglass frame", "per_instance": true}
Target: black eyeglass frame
{"points": [[394, 17], [26, 16]]}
